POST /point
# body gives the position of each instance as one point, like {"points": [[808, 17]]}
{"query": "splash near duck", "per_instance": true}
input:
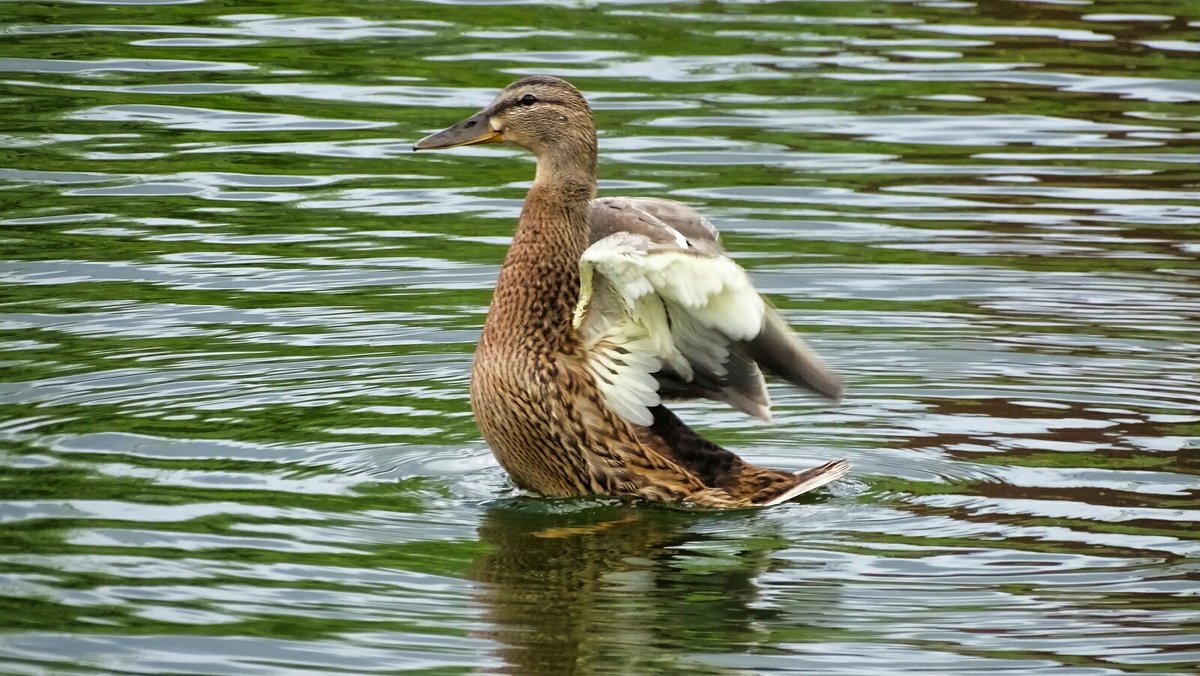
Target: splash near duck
{"points": [[605, 309]]}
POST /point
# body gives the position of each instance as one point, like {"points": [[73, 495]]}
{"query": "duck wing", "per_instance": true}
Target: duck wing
{"points": [[664, 313], [660, 219]]}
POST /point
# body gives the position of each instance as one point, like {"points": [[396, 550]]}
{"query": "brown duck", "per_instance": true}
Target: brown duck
{"points": [[604, 309]]}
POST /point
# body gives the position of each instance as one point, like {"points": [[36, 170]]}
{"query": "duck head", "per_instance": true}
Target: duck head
{"points": [[545, 115]]}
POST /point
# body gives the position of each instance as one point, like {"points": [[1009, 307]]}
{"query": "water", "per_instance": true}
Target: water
{"points": [[238, 317]]}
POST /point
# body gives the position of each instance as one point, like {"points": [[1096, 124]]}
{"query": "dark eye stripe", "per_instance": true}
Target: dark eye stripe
{"points": [[513, 103]]}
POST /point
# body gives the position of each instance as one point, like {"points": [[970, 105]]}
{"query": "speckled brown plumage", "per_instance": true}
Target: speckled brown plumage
{"points": [[537, 406]]}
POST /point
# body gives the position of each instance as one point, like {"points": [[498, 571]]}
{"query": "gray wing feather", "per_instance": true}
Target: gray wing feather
{"points": [[782, 353], [658, 219]]}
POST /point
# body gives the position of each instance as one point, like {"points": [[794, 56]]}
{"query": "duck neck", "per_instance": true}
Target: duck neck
{"points": [[539, 282]]}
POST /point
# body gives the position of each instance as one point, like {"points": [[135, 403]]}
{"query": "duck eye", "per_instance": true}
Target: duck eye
{"points": [[528, 100]]}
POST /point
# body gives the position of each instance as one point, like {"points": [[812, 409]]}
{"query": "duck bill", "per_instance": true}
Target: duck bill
{"points": [[471, 131]]}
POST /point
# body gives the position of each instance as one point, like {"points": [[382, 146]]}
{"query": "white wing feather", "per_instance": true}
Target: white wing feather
{"points": [[674, 307]]}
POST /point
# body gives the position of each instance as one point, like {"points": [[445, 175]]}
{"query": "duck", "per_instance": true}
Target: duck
{"points": [[606, 309]]}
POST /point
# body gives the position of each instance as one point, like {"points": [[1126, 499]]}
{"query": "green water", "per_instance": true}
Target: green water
{"points": [[237, 316]]}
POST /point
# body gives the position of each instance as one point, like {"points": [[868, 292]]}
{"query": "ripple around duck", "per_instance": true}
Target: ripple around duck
{"points": [[239, 315]]}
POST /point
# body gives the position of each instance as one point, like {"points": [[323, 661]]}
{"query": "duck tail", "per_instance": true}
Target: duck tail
{"points": [[803, 482], [760, 487]]}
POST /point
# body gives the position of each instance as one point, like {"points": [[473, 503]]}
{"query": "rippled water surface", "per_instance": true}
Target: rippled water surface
{"points": [[238, 316]]}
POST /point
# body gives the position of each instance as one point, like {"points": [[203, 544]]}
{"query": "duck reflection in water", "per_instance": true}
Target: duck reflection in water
{"points": [[619, 589]]}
